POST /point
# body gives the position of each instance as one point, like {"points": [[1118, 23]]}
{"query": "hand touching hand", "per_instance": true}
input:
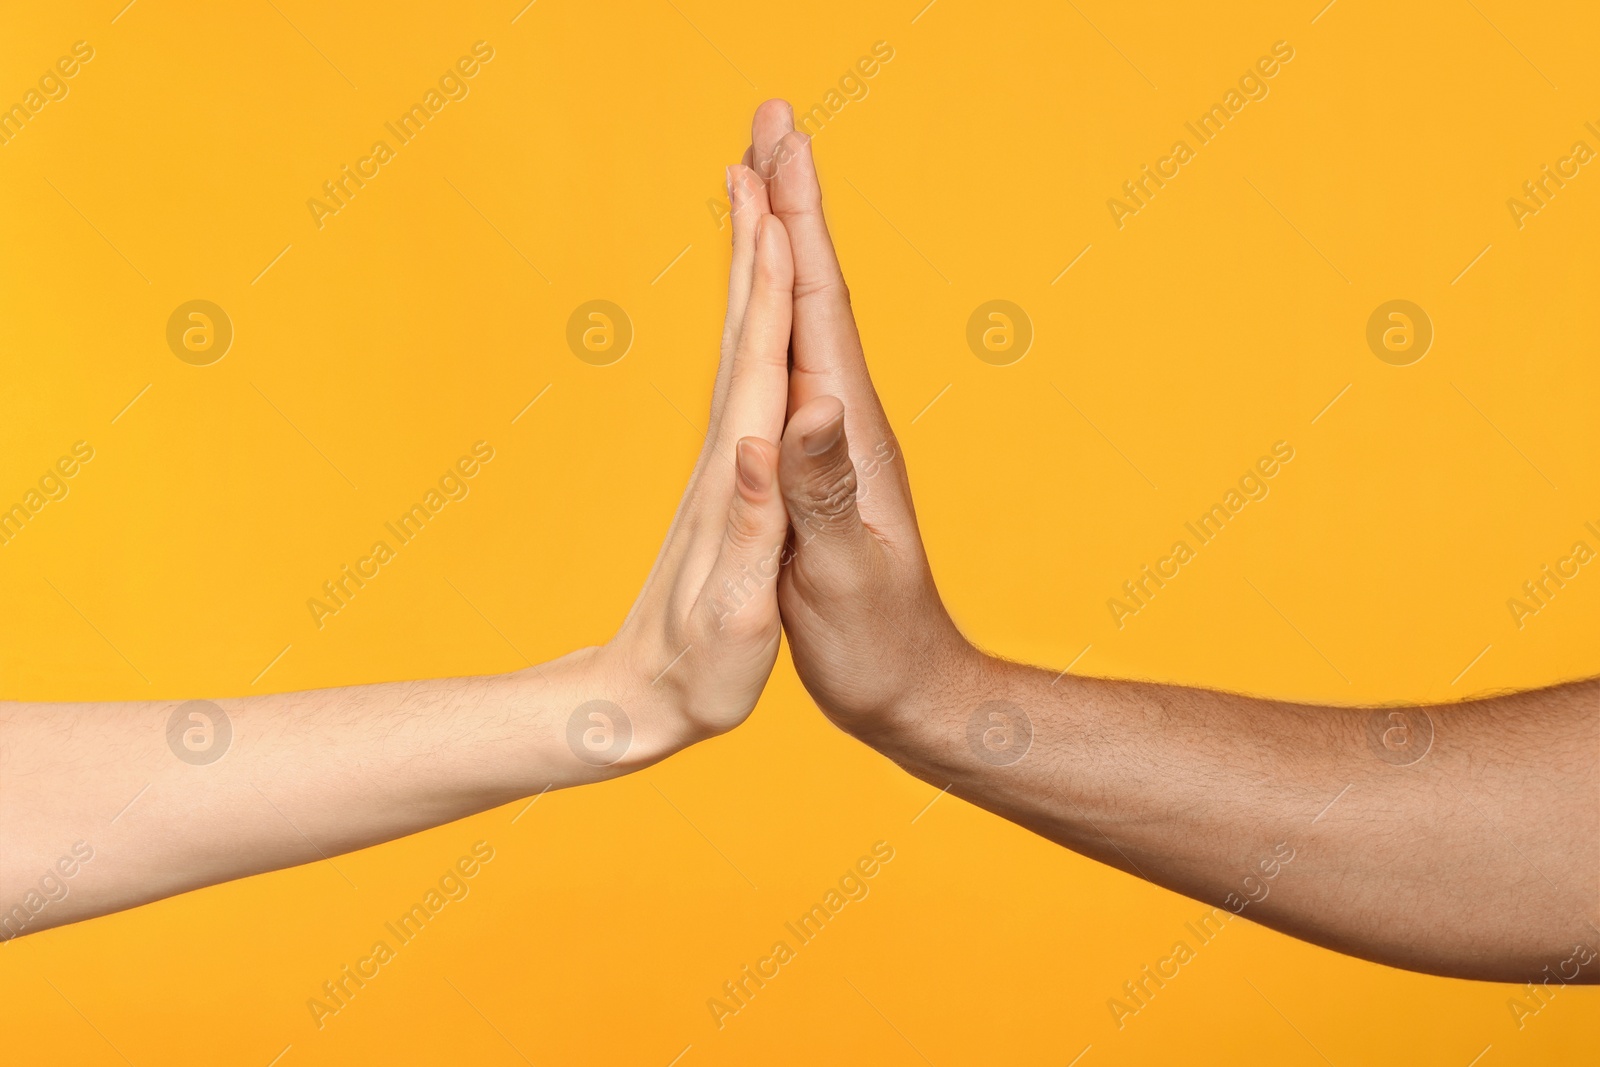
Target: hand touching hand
{"points": [[868, 631], [695, 651]]}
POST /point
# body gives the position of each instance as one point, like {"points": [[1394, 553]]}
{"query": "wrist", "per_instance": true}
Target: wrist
{"points": [[932, 704], [622, 684]]}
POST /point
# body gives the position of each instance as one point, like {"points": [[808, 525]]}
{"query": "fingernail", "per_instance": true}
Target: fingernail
{"points": [[727, 176], [752, 472], [823, 437]]}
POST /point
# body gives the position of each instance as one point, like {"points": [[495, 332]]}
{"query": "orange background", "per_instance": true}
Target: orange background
{"points": [[429, 312]]}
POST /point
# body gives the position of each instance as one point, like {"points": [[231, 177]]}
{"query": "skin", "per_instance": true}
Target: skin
{"points": [[100, 813], [1460, 840], [1475, 854]]}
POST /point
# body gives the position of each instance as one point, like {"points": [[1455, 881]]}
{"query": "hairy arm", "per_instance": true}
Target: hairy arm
{"points": [[1461, 840], [109, 805]]}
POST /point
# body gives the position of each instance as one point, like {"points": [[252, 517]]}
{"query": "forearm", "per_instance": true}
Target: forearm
{"points": [[169, 802], [1474, 854]]}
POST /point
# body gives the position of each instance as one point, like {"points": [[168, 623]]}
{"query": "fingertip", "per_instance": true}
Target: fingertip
{"points": [[816, 413], [757, 463], [814, 429], [772, 251], [825, 436], [794, 173], [772, 120], [777, 112]]}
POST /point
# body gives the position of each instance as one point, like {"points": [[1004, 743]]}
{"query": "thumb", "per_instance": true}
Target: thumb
{"points": [[740, 591], [819, 489]]}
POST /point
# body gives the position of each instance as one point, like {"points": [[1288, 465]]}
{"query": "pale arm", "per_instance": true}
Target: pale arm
{"points": [[136, 812]]}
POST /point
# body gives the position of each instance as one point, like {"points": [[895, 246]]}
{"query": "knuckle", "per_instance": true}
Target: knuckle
{"points": [[830, 499], [745, 529], [828, 289]]}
